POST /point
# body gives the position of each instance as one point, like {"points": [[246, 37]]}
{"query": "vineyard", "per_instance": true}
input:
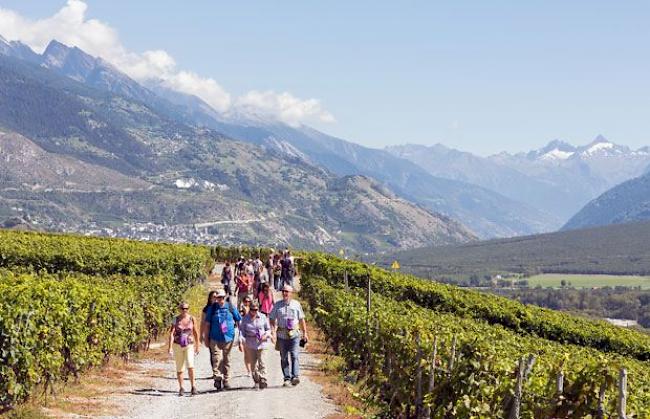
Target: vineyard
{"points": [[69, 303], [419, 348], [526, 320], [445, 352]]}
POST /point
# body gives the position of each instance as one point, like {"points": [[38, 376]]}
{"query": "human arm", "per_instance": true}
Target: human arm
{"points": [[303, 327], [195, 333], [303, 322], [273, 323], [171, 339], [205, 329], [201, 328]]}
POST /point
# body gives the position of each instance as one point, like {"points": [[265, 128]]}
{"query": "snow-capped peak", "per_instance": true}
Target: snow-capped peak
{"points": [[602, 147], [557, 154], [597, 147]]}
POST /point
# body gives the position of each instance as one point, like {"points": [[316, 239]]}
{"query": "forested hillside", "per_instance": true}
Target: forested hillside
{"points": [[618, 249]]}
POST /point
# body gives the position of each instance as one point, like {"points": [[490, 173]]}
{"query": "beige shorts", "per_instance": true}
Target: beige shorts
{"points": [[184, 357]]}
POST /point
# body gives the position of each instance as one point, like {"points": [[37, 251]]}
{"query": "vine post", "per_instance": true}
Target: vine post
{"points": [[516, 403], [622, 393], [452, 358], [432, 375], [418, 377], [600, 413]]}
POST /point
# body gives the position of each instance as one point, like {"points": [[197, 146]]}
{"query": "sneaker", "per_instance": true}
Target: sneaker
{"points": [[193, 392], [287, 383], [180, 392], [263, 384], [217, 383], [295, 381]]}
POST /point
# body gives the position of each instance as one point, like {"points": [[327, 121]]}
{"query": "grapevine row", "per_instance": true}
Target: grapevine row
{"points": [[53, 327], [384, 347], [100, 256], [532, 320]]}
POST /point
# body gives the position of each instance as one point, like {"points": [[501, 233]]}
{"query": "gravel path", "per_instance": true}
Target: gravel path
{"points": [[160, 399]]}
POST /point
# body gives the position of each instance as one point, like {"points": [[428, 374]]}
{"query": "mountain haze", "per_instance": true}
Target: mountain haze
{"points": [[558, 178]]}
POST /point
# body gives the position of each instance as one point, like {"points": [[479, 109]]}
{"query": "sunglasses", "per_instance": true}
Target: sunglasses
{"points": [[285, 291], [254, 309], [185, 308]]}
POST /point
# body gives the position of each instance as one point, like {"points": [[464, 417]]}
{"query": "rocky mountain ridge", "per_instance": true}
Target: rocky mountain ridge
{"points": [[123, 161]]}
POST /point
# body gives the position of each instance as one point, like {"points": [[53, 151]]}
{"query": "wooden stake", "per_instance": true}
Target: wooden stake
{"points": [[432, 375], [453, 356], [622, 394], [600, 413], [559, 391], [529, 366], [345, 279], [368, 292], [418, 378], [516, 403]]}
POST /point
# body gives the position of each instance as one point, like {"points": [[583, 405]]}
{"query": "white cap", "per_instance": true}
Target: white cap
{"points": [[221, 293], [287, 288]]}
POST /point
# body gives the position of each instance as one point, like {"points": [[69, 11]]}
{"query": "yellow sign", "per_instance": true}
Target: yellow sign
{"points": [[395, 265]]}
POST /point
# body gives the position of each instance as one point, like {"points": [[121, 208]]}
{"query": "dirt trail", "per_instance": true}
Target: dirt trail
{"points": [[160, 399]]}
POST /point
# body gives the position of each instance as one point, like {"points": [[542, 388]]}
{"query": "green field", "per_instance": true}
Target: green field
{"points": [[589, 281]]}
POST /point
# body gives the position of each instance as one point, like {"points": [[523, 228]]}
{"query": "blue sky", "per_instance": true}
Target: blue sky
{"points": [[476, 75]]}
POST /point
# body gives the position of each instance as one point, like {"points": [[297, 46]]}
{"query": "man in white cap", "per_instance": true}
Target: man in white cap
{"points": [[219, 334], [287, 319]]}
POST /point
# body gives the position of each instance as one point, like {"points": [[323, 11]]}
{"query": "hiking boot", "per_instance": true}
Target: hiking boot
{"points": [[217, 383], [180, 392], [295, 381], [193, 392], [287, 383], [263, 384]]}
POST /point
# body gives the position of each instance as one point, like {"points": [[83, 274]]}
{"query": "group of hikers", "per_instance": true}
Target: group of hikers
{"points": [[257, 317]]}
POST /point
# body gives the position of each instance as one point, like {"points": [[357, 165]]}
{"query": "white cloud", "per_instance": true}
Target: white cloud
{"points": [[207, 89], [70, 26], [282, 106]]}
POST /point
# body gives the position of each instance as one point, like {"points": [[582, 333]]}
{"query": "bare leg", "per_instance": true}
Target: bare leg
{"points": [[190, 372], [179, 377]]}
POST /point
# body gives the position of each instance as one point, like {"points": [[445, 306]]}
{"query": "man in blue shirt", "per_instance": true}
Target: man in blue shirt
{"points": [[219, 334]]}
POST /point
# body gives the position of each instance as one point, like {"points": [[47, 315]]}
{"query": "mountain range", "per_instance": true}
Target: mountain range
{"points": [[559, 178], [485, 212], [171, 158], [81, 143]]}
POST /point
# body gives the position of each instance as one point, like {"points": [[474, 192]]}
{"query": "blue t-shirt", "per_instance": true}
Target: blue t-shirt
{"points": [[225, 315]]}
